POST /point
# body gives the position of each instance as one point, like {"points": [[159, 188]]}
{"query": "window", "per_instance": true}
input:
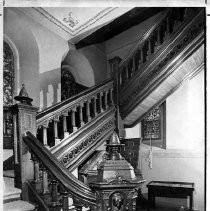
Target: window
{"points": [[154, 127]]}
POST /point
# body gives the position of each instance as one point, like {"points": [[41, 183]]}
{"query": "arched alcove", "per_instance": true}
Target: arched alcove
{"points": [[79, 67], [17, 30]]}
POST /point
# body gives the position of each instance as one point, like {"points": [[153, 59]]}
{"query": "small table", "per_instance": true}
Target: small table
{"points": [[170, 190]]}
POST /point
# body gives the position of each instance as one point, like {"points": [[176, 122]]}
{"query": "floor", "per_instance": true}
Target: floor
{"points": [[161, 205]]}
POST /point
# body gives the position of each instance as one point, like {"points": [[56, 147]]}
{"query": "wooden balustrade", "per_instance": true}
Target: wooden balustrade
{"points": [[59, 190], [166, 24], [74, 113]]}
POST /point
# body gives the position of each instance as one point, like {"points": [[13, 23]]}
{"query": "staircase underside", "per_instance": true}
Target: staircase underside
{"points": [[185, 70]]}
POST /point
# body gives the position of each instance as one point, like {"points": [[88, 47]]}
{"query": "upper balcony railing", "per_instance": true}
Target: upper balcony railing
{"points": [[169, 42]]}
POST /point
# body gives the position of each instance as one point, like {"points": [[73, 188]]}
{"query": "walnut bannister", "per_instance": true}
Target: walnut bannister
{"points": [[59, 121], [176, 34]]}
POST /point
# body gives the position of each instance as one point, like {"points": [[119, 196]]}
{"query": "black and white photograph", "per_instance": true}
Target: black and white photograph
{"points": [[104, 106]]}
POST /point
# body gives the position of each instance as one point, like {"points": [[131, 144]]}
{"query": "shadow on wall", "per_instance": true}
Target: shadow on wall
{"points": [[80, 68], [50, 88]]}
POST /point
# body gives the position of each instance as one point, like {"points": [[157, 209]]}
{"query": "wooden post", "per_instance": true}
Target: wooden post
{"points": [[45, 189], [95, 106], [105, 100], [45, 126], [65, 133], [57, 140], [100, 102], [115, 69], [81, 115], [73, 119], [25, 120], [88, 110]]}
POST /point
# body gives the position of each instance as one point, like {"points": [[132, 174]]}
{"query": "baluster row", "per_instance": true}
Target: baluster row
{"points": [[160, 35], [54, 194], [51, 132]]}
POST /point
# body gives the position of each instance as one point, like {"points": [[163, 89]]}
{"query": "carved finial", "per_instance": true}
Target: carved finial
{"points": [[23, 96]]}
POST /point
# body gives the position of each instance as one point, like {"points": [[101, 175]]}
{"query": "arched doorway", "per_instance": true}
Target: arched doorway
{"points": [[8, 94], [69, 87]]}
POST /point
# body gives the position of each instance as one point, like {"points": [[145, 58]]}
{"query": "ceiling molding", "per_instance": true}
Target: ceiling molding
{"points": [[80, 28]]}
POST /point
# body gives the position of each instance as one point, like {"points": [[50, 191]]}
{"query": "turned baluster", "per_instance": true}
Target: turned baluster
{"points": [[149, 48], [55, 203], [81, 115], [73, 119], [37, 181], [45, 189], [65, 198], [95, 106], [158, 42], [65, 133], [57, 140], [111, 97], [105, 100], [126, 72], [177, 21], [120, 77], [45, 126], [100, 102], [140, 58], [133, 66], [166, 34], [88, 110]]}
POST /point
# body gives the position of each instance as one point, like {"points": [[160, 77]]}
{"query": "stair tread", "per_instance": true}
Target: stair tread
{"points": [[9, 190], [9, 173], [7, 153], [18, 206]]}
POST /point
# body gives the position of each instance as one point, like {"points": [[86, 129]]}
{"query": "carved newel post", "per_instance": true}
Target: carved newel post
{"points": [[24, 117], [116, 186]]}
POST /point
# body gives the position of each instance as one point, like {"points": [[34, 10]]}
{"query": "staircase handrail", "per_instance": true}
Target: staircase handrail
{"points": [[61, 107], [145, 36], [78, 189]]}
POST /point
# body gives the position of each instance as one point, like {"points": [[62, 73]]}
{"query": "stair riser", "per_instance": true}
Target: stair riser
{"points": [[11, 199]]}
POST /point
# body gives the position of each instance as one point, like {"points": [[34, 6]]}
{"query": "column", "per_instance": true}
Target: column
{"points": [[55, 203], [88, 110], [126, 72], [100, 102], [65, 133], [105, 100], [37, 181], [73, 119], [111, 96], [57, 140], [45, 189], [94, 106], [81, 115], [45, 126]]}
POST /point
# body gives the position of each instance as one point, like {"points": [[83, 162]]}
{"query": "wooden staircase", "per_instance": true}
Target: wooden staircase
{"points": [[11, 195], [169, 52], [57, 140]]}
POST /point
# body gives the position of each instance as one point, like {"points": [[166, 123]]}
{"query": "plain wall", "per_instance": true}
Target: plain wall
{"points": [[96, 55], [183, 160]]}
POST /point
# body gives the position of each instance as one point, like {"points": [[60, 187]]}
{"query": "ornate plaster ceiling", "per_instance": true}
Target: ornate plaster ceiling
{"points": [[78, 22]]}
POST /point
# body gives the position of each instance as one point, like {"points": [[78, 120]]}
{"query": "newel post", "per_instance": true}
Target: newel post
{"points": [[24, 117], [116, 73]]}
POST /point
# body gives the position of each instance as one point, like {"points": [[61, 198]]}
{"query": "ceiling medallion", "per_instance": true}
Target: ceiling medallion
{"points": [[71, 21]]}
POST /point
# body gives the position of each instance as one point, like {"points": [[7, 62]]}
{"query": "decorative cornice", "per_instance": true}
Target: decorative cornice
{"points": [[80, 28]]}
